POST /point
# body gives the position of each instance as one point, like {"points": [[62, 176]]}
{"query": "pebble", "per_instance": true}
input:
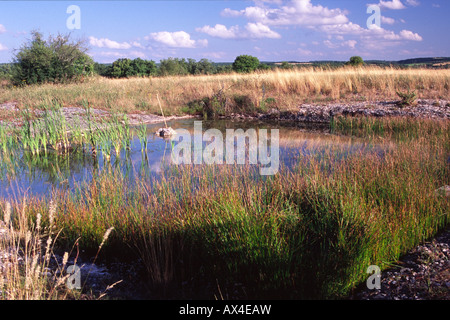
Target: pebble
{"points": [[323, 113], [425, 275]]}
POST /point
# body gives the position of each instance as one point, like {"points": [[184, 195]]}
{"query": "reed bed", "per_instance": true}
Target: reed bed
{"points": [[53, 133], [283, 89], [309, 232]]}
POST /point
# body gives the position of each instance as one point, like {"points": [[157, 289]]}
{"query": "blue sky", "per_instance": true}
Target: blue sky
{"points": [[219, 30]]}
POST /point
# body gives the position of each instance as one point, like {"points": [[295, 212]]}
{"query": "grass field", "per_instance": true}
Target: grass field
{"points": [[259, 91]]}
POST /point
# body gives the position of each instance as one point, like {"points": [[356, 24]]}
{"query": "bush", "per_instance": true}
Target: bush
{"points": [[173, 67], [124, 68], [263, 66], [5, 71], [286, 65], [54, 60], [142, 67], [245, 64], [203, 66], [102, 69], [407, 99], [356, 61]]}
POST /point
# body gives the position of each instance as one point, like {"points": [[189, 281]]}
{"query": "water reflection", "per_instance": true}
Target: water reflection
{"points": [[39, 175]]}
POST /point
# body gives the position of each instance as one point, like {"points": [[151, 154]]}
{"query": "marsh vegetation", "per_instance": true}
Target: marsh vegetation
{"points": [[310, 231]]}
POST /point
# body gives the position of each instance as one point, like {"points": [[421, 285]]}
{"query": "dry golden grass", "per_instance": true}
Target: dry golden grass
{"points": [[288, 88], [26, 251]]}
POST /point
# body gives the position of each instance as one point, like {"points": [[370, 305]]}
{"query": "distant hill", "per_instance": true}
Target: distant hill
{"points": [[443, 62]]}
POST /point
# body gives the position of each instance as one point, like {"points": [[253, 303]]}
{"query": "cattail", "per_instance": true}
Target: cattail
{"points": [[7, 213], [105, 237], [47, 249], [52, 212], [31, 272], [38, 222], [65, 258], [28, 237]]}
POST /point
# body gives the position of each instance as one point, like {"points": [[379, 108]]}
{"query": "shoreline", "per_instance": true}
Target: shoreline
{"points": [[320, 114], [323, 113]]}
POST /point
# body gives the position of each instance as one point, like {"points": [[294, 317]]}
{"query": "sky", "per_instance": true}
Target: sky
{"points": [[220, 30]]}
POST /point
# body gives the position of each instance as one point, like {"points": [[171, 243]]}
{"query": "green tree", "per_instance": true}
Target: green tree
{"points": [[102, 69], [286, 65], [124, 68], [356, 61], [173, 67], [223, 68], [263, 66], [142, 67], [54, 60], [245, 63], [121, 68], [203, 66], [5, 71]]}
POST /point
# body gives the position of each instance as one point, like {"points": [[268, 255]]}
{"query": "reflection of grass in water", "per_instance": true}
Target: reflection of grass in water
{"points": [[142, 135]]}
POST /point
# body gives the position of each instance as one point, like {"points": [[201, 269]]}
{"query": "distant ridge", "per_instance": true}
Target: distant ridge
{"points": [[424, 62]]}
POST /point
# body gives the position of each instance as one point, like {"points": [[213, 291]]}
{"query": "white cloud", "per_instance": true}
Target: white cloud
{"points": [[304, 52], [296, 12], [349, 43], [137, 54], [137, 45], [2, 28], [387, 20], [259, 30], [2, 47], [397, 4], [227, 12], [178, 39], [330, 44], [220, 31], [343, 29], [215, 55], [392, 5], [374, 34], [252, 31], [413, 3], [409, 35], [110, 54], [110, 44]]}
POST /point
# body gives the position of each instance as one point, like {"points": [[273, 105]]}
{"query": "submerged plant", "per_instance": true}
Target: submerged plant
{"points": [[142, 134]]}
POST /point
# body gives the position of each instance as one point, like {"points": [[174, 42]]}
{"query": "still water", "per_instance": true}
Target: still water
{"points": [[21, 173]]}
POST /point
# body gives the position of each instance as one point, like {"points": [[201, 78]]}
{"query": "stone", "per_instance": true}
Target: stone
{"points": [[165, 132], [443, 191]]}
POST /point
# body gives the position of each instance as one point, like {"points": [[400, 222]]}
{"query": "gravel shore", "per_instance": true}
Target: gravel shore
{"points": [[323, 113], [421, 274]]}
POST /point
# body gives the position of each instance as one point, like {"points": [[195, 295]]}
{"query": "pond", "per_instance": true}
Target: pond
{"points": [[267, 145]]}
